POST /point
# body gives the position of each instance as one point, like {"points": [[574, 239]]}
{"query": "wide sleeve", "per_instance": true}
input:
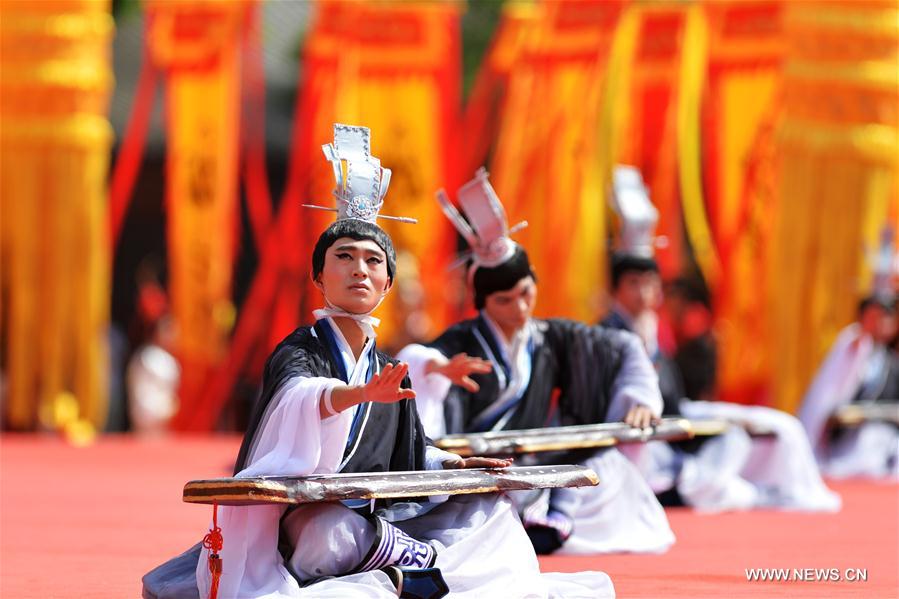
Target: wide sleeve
{"points": [[291, 439], [835, 382], [603, 372], [637, 383], [430, 389]]}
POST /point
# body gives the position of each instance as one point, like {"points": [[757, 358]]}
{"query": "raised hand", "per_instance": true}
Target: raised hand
{"points": [[640, 417], [476, 462], [384, 387], [459, 367]]}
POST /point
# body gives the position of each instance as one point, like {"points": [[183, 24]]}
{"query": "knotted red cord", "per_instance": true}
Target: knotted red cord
{"points": [[213, 542]]}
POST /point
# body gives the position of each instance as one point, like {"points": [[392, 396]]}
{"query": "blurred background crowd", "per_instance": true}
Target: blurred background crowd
{"points": [[156, 153]]}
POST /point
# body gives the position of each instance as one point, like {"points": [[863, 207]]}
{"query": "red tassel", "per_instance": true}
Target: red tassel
{"points": [[213, 542]]}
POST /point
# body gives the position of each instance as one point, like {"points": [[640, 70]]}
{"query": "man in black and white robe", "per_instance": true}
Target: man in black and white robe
{"points": [[861, 367], [506, 370], [733, 470]]}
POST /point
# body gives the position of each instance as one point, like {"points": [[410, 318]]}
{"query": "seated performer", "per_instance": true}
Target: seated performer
{"points": [[332, 403], [691, 340], [733, 470], [861, 367], [502, 370]]}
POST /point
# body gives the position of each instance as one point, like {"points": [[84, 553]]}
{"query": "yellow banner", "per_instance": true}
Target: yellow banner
{"points": [[745, 64], [694, 62], [54, 262], [838, 174], [198, 45]]}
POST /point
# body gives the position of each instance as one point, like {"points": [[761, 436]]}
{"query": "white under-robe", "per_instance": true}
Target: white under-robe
{"points": [[483, 550], [621, 514], [735, 471], [781, 469]]}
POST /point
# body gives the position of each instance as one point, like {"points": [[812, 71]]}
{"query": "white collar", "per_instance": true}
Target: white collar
{"points": [[520, 337], [343, 347], [366, 321]]}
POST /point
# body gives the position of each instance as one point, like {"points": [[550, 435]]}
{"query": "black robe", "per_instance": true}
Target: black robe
{"points": [[885, 386], [576, 361], [392, 438]]}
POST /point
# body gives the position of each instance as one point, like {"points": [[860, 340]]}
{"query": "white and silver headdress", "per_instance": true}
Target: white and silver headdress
{"points": [[486, 230], [630, 200], [361, 182]]}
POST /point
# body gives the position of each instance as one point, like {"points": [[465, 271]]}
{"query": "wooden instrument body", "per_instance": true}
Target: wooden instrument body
{"points": [[382, 485], [563, 438]]}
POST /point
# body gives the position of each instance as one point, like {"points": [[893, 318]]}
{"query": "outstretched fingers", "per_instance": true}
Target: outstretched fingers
{"points": [[386, 386], [476, 462], [470, 364], [385, 372], [479, 366], [469, 384], [396, 376]]}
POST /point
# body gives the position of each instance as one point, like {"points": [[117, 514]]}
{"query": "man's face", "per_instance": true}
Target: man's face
{"points": [[638, 292], [511, 309], [881, 324], [354, 276]]}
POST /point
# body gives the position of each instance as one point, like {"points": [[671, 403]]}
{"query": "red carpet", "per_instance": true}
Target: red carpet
{"points": [[89, 522]]}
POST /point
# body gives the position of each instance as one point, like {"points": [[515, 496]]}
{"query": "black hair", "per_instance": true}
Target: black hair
{"points": [[623, 263], [487, 280], [887, 302], [354, 229], [691, 288]]}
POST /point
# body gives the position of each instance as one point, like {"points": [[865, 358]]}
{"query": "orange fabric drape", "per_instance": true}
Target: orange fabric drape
{"points": [[546, 161], [746, 47], [481, 115], [55, 83], [651, 140]]}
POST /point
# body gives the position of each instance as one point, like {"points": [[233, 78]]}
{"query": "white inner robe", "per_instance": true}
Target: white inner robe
{"points": [[781, 470]]}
